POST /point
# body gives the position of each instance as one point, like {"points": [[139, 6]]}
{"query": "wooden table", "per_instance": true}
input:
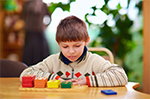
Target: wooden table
{"points": [[9, 89]]}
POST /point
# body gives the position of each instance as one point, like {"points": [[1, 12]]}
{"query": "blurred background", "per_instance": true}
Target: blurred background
{"points": [[114, 24]]}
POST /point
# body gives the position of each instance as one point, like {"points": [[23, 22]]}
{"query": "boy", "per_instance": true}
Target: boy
{"points": [[74, 63]]}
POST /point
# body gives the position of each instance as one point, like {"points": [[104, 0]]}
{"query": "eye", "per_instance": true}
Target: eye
{"points": [[65, 46], [77, 45]]}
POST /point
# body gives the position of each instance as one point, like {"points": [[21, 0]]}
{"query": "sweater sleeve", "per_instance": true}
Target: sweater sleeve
{"points": [[42, 69], [107, 74]]}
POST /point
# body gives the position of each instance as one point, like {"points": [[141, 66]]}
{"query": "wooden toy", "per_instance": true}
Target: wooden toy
{"points": [[28, 80], [66, 84], [40, 82], [74, 88], [53, 84]]}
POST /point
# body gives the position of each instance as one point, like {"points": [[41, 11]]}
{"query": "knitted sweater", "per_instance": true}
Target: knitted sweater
{"points": [[96, 70]]}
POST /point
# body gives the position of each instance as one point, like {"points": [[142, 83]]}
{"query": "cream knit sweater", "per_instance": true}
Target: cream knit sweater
{"points": [[96, 70]]}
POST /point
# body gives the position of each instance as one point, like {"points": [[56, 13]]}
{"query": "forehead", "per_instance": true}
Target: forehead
{"points": [[72, 43]]}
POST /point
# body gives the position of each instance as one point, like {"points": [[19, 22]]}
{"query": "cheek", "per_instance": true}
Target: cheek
{"points": [[63, 50], [80, 50]]}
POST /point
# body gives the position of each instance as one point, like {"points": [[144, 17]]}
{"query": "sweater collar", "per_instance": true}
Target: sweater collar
{"points": [[67, 61]]}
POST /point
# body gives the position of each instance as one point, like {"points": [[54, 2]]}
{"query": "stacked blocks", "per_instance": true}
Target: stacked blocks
{"points": [[66, 84], [28, 80], [53, 84], [40, 82]]}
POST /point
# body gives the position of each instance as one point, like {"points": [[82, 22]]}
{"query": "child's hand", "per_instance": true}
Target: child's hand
{"points": [[62, 80], [80, 81], [73, 80]]}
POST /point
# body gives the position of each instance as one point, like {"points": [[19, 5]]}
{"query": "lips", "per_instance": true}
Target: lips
{"points": [[72, 57]]}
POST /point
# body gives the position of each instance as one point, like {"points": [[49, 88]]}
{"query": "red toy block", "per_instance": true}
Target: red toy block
{"points": [[28, 80], [40, 82], [27, 85]]}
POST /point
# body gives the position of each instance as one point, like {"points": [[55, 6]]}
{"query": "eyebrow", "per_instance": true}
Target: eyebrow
{"points": [[73, 44]]}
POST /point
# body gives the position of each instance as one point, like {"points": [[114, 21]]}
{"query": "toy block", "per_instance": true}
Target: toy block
{"points": [[108, 92], [28, 80], [40, 82], [27, 85], [53, 84], [66, 84]]}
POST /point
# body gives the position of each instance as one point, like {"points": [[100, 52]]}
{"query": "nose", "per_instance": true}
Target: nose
{"points": [[71, 50]]}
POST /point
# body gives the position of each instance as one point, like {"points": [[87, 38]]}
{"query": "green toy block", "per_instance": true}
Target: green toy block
{"points": [[66, 84]]}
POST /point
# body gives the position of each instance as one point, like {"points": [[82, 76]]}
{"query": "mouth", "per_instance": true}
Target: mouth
{"points": [[72, 57]]}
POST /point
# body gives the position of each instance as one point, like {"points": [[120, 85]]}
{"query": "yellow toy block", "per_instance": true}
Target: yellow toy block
{"points": [[53, 84]]}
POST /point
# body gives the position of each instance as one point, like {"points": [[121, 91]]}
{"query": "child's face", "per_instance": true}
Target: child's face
{"points": [[72, 50]]}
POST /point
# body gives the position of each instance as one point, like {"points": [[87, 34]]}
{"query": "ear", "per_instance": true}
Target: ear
{"points": [[87, 41]]}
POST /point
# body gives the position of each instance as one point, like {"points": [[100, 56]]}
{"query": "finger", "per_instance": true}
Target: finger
{"points": [[79, 79], [74, 80], [69, 81], [75, 83]]}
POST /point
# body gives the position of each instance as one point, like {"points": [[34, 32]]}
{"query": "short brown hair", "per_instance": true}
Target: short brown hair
{"points": [[71, 29]]}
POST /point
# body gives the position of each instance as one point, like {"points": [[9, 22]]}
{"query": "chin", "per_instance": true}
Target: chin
{"points": [[72, 60]]}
